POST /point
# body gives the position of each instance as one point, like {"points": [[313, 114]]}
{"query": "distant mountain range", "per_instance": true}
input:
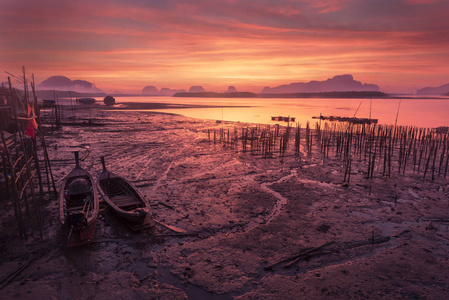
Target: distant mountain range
{"points": [[344, 95], [62, 83], [151, 90], [339, 83], [441, 90]]}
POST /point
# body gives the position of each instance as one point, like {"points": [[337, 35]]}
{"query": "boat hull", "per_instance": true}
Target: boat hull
{"points": [[125, 200], [78, 207]]}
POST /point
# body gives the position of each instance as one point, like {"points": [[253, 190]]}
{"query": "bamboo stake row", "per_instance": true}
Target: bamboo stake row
{"points": [[384, 148]]}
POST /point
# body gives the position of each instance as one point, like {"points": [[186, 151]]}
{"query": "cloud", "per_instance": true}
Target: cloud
{"points": [[200, 40]]}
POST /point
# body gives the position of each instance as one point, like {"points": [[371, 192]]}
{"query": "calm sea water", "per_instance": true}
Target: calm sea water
{"points": [[416, 112]]}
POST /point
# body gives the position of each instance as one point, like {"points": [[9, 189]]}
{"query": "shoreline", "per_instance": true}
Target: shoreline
{"points": [[311, 95], [143, 106]]}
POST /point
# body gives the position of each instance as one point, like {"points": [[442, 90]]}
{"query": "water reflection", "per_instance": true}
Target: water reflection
{"points": [[415, 112], [412, 112]]}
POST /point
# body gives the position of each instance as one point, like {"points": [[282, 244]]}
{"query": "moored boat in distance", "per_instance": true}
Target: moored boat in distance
{"points": [[352, 120], [124, 199], [109, 100], [285, 119], [441, 130], [48, 103], [85, 100], [78, 205]]}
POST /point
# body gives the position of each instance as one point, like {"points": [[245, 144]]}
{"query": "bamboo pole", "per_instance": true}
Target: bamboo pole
{"points": [[30, 183], [16, 200]]}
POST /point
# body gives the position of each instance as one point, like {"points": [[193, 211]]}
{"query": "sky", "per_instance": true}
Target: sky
{"points": [[125, 45]]}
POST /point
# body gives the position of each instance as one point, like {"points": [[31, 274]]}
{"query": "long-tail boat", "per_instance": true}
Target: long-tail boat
{"points": [[124, 199], [78, 205]]}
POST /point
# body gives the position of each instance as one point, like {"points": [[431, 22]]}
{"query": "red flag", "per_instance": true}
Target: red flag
{"points": [[32, 124], [30, 130]]}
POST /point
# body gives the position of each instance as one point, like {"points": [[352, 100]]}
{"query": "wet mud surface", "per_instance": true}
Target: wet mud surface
{"points": [[245, 227]]}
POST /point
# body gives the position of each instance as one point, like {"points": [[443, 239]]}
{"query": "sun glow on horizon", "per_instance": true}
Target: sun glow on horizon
{"points": [[177, 45]]}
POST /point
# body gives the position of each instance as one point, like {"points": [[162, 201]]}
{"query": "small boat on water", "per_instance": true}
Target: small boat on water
{"points": [[352, 120], [109, 100], [85, 100], [48, 103], [124, 199], [78, 205], [285, 119]]}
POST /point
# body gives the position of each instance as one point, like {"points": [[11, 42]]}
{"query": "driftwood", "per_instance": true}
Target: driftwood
{"points": [[372, 241], [33, 259], [142, 185], [442, 220], [308, 253], [297, 256], [10, 277], [173, 228], [47, 258], [166, 205], [380, 240]]}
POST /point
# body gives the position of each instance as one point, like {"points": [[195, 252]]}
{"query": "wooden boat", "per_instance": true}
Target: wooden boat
{"points": [[78, 205], [124, 199], [48, 103], [109, 100], [285, 119], [86, 100], [352, 120]]}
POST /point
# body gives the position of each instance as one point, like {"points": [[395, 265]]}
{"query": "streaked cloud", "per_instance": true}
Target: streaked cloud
{"points": [[130, 44]]}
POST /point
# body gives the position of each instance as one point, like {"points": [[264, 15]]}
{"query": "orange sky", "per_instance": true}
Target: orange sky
{"points": [[400, 45]]}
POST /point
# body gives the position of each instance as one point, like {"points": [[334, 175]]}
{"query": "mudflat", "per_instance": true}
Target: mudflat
{"points": [[231, 224]]}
